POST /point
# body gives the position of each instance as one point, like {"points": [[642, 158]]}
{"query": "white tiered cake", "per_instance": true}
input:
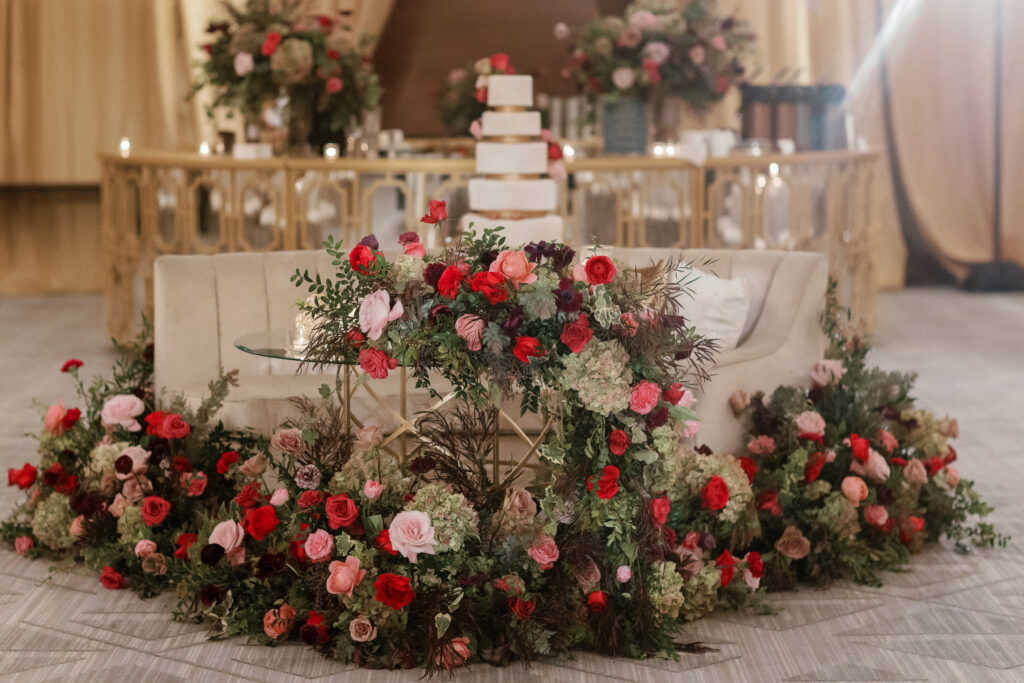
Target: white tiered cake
{"points": [[513, 161]]}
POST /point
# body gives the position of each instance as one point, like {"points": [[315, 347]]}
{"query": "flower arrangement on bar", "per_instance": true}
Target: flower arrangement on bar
{"points": [[463, 95], [268, 54]]}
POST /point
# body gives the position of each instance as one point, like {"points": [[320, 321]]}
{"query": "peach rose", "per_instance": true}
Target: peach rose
{"points": [[277, 622], [362, 630], [810, 422], [369, 436], [254, 466], [119, 505], [345, 576], [876, 468], [228, 535], [121, 411], [544, 551], [411, 534], [793, 544], [145, 547], [53, 421], [855, 490], [915, 472], [318, 546], [519, 504], [876, 515], [515, 266], [455, 655], [952, 477]]}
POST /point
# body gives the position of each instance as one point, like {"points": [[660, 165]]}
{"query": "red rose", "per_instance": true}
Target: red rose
{"points": [[451, 278], [270, 44], [111, 579], [554, 151], [166, 425], [769, 501], [813, 467], [934, 465], [355, 338], [341, 511], [153, 421], [749, 466], [480, 94], [674, 393], [600, 270], [527, 348], [333, 54], [597, 602], [754, 564], [249, 496], [576, 334], [491, 285], [383, 543], [902, 462], [727, 563], [70, 418], [715, 493], [438, 212], [618, 442], [376, 363], [325, 22], [185, 542], [261, 521], [298, 552], [860, 447], [393, 590], [499, 61], [70, 484], [660, 508], [23, 478], [154, 510], [71, 364], [521, 608], [608, 484], [226, 461], [310, 499], [950, 456]]}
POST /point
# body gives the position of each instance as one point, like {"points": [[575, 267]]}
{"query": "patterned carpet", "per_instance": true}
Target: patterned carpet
{"points": [[948, 618]]}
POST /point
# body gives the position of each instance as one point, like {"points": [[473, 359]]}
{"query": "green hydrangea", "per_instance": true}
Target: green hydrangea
{"points": [[51, 522], [101, 462], [130, 525], [373, 464], [406, 269], [665, 440], [598, 374], [840, 516], [686, 472], [700, 593], [453, 518], [666, 589]]}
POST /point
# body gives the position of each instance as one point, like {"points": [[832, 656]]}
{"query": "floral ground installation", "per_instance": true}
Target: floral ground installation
{"points": [[623, 535]]}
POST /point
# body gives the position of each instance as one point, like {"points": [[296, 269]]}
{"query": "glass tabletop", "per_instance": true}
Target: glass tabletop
{"points": [[271, 344]]}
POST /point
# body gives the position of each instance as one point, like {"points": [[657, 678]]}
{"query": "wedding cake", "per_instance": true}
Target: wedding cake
{"points": [[512, 159]]}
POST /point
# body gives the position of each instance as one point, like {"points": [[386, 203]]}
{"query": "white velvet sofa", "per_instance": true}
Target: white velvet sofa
{"points": [[203, 303]]}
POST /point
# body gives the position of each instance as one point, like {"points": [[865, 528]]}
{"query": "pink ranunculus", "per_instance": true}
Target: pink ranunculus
{"points": [[657, 52], [952, 476], [476, 129], [810, 422], [876, 515], [718, 42], [288, 441], [887, 441], [228, 535], [53, 421], [644, 397], [279, 497], [140, 460], [411, 533], [623, 574], [145, 547], [243, 64], [544, 551], [376, 311], [915, 472], [697, 54], [345, 576], [876, 468], [122, 410], [623, 78], [762, 445], [855, 490], [827, 372], [372, 489], [22, 544], [318, 546], [471, 328], [643, 19], [277, 622], [515, 266]]}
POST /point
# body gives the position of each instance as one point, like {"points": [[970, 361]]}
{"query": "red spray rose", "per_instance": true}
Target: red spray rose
{"points": [[383, 543], [111, 579], [521, 608], [438, 211], [376, 363], [261, 521], [71, 364], [154, 510], [527, 348], [754, 564], [450, 281], [600, 270], [393, 590], [310, 499], [23, 478], [597, 602], [576, 334], [491, 285], [185, 542], [727, 563], [341, 511], [715, 493], [608, 484], [813, 467], [618, 442], [660, 508], [225, 462], [70, 418], [860, 447], [249, 496]]}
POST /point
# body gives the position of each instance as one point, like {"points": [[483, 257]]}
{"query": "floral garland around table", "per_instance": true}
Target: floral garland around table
{"points": [[264, 56], [624, 533]]}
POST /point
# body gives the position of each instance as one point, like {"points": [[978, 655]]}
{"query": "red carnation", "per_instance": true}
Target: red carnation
{"points": [[660, 508], [727, 563], [749, 467], [249, 496], [261, 521], [902, 462], [23, 478], [576, 334], [618, 442], [71, 364], [185, 542], [450, 281], [491, 285], [383, 543], [715, 493], [111, 579], [600, 270], [521, 608], [226, 461], [608, 484], [597, 602], [674, 393], [70, 418], [362, 259], [154, 510], [769, 501], [376, 363], [754, 564], [860, 447], [499, 61], [393, 590], [438, 212], [310, 499], [341, 511], [554, 151], [325, 22], [813, 467], [527, 348]]}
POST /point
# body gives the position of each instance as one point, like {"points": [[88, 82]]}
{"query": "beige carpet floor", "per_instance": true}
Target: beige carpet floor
{"points": [[949, 618]]}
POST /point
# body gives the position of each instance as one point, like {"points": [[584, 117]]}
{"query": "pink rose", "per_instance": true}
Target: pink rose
{"points": [[952, 476], [657, 52], [228, 535], [623, 78], [254, 466], [855, 490], [411, 534], [243, 64], [697, 54], [519, 504], [476, 129], [762, 445], [318, 546], [279, 497], [515, 266], [915, 472], [827, 372], [372, 489], [121, 410], [810, 422], [643, 19], [876, 515], [145, 547], [888, 441], [688, 399], [718, 42], [140, 460], [876, 468], [375, 312], [133, 491], [53, 421], [345, 576], [277, 622], [623, 574], [471, 328], [544, 551], [362, 630], [644, 397], [288, 441], [689, 429], [22, 544]]}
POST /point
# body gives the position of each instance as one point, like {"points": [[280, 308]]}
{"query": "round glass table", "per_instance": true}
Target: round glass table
{"points": [[276, 343]]}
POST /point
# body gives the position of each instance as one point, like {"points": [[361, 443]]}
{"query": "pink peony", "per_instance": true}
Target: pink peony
{"points": [[544, 551], [810, 422], [762, 445], [121, 410], [515, 266], [279, 497], [887, 441], [855, 490], [411, 534], [623, 574], [876, 468], [53, 421], [228, 535], [471, 328], [319, 545], [22, 544], [345, 576], [657, 52], [915, 472], [623, 78], [644, 397], [876, 515], [375, 312], [952, 476], [372, 489], [243, 64], [145, 547], [827, 372]]}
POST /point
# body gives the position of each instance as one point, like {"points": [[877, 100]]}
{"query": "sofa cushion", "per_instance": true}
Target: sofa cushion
{"points": [[719, 308]]}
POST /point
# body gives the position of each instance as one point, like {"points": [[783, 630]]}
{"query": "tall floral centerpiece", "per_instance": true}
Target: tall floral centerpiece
{"points": [[463, 95], [655, 52], [284, 70]]}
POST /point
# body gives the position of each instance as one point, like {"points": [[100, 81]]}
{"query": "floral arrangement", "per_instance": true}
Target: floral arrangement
{"points": [[268, 51], [687, 51], [623, 534], [462, 99]]}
